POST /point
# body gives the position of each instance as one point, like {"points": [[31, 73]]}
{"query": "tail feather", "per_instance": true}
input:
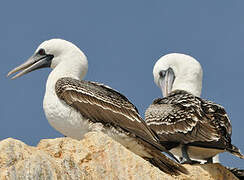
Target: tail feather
{"points": [[235, 151], [160, 160], [166, 164]]}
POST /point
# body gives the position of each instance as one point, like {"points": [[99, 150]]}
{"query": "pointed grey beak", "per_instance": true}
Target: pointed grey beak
{"points": [[34, 62], [166, 81]]}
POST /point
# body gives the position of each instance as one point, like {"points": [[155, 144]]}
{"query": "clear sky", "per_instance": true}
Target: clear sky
{"points": [[122, 40]]}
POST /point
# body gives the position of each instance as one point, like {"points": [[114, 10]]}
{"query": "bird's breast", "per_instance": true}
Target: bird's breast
{"points": [[64, 118]]}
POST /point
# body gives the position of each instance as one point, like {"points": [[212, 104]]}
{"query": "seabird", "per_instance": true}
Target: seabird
{"points": [[74, 106], [188, 126]]}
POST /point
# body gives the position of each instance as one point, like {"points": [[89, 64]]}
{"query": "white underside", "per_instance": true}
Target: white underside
{"points": [[66, 120], [197, 153]]}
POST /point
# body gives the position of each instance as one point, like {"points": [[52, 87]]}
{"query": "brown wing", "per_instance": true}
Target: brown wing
{"points": [[100, 103], [217, 114], [184, 118]]}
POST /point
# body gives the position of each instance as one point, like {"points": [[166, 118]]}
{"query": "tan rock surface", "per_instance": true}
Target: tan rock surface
{"points": [[97, 156]]}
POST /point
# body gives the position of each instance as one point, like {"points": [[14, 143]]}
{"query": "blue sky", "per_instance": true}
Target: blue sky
{"points": [[122, 40]]}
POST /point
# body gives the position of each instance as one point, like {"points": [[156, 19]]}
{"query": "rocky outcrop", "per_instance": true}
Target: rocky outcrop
{"points": [[97, 156]]}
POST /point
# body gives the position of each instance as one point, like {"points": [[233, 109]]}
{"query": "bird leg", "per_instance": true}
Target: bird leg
{"points": [[185, 157], [209, 160]]}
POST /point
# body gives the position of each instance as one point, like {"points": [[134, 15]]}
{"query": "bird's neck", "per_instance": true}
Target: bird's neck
{"points": [[74, 68], [193, 87]]}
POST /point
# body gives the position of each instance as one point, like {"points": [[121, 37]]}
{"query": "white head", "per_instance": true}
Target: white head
{"points": [[52, 53], [177, 71]]}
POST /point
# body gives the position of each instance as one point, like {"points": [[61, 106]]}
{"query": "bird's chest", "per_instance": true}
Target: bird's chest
{"points": [[64, 118]]}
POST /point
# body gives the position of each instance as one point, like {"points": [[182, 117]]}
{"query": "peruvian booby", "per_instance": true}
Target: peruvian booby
{"points": [[74, 106], [188, 126]]}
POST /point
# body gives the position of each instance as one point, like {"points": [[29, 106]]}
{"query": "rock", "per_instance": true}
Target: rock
{"points": [[97, 156]]}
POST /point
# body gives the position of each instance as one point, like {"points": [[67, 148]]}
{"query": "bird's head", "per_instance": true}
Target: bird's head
{"points": [[50, 53], [177, 71]]}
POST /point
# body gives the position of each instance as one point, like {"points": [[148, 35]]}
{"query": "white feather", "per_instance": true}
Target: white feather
{"points": [[188, 72]]}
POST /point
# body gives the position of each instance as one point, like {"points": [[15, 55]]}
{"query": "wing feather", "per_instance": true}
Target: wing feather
{"points": [[100, 103], [185, 118]]}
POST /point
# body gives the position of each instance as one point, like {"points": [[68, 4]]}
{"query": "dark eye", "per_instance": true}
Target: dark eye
{"points": [[41, 52], [162, 73]]}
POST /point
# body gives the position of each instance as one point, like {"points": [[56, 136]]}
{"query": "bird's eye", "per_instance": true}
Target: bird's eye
{"points": [[162, 73], [41, 52]]}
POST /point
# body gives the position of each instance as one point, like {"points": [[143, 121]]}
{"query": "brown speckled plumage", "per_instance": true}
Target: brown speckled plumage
{"points": [[182, 118]]}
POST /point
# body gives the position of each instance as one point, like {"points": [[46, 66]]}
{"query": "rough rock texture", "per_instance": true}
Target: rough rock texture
{"points": [[97, 156]]}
